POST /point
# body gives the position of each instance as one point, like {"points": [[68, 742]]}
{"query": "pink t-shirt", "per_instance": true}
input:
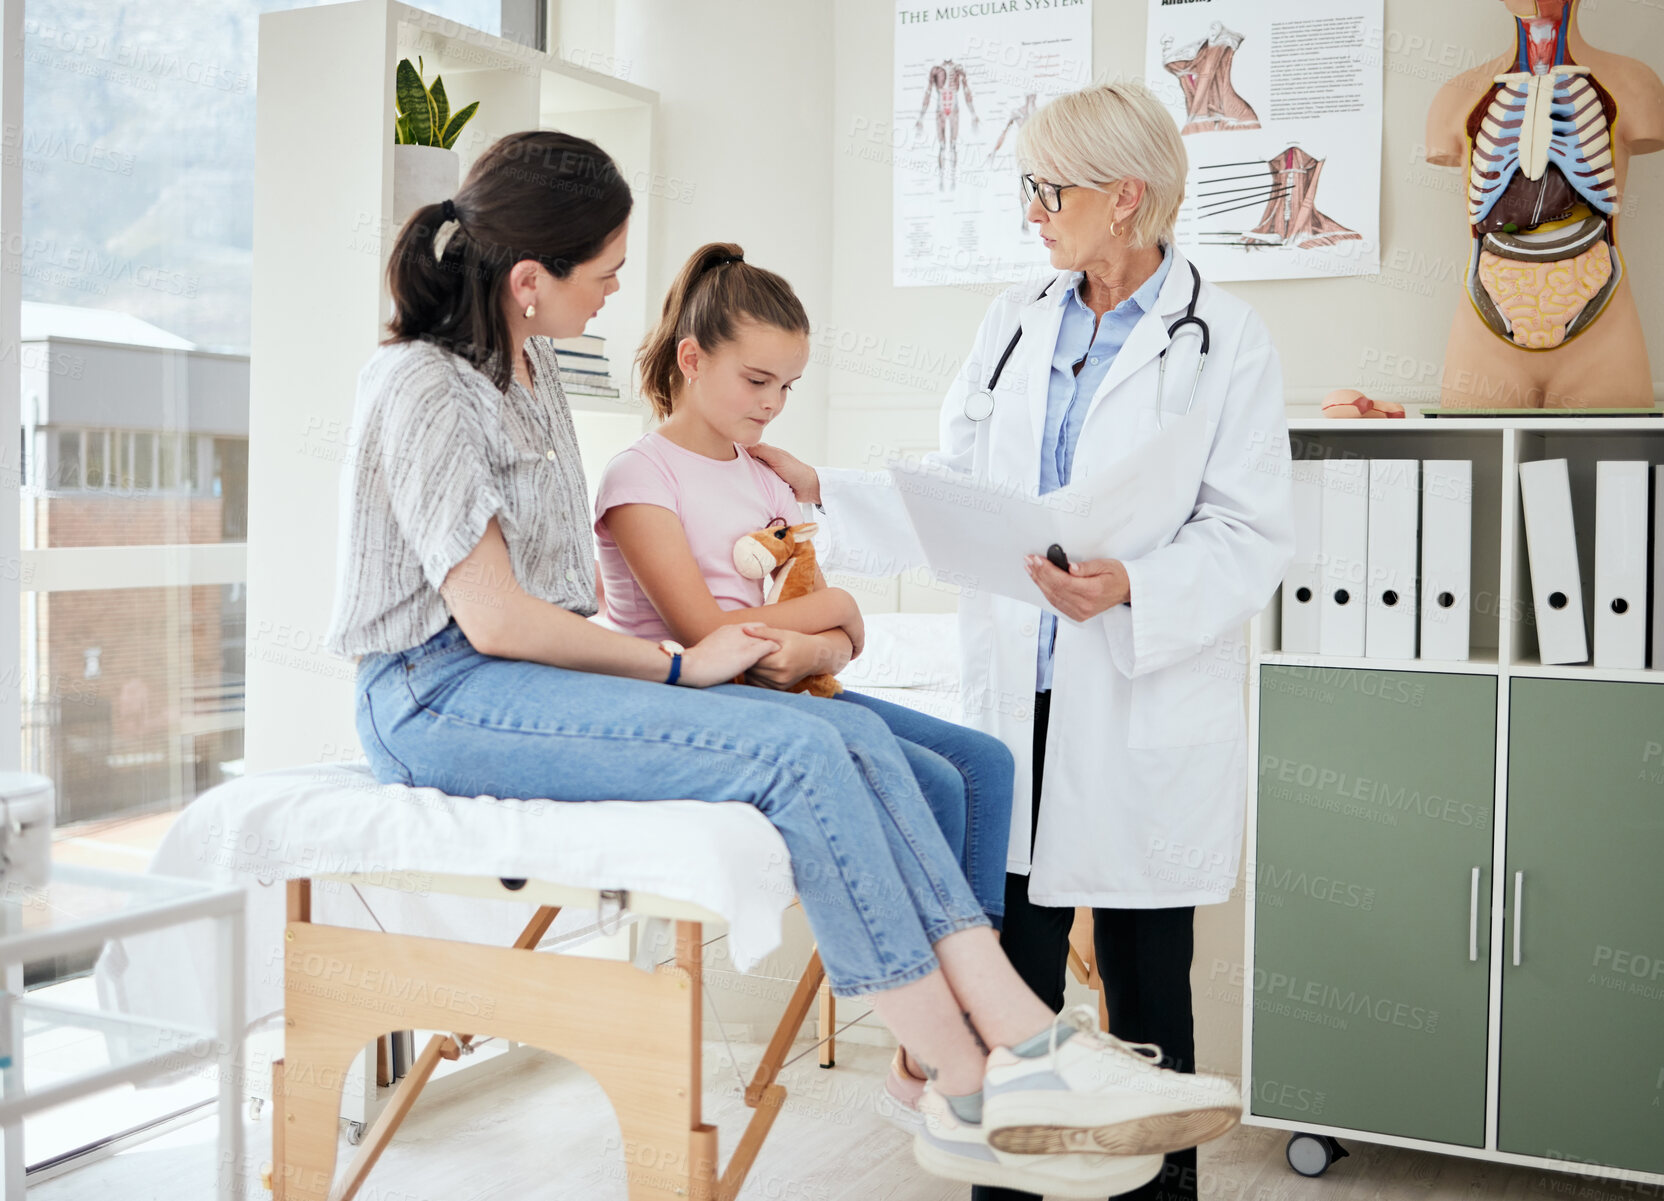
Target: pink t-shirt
{"points": [[718, 503]]}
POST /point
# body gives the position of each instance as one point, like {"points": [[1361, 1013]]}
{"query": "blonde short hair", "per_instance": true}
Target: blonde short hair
{"points": [[1106, 133]]}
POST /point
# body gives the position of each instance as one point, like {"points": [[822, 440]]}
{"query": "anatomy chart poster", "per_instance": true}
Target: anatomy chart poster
{"points": [[1279, 102], [966, 78]]}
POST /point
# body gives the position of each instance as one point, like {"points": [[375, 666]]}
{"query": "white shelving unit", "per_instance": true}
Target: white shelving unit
{"points": [[323, 233], [1503, 645]]}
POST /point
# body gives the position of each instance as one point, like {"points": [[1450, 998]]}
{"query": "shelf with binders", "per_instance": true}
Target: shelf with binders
{"points": [[1618, 598], [1480, 499]]}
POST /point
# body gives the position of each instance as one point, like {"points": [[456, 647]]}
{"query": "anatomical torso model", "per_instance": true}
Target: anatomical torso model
{"points": [[1545, 135]]}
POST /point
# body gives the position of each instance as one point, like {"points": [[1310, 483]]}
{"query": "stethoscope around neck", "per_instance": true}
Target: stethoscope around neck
{"points": [[979, 405]]}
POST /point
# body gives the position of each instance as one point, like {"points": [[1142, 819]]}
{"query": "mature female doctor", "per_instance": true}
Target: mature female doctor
{"points": [[1127, 708]]}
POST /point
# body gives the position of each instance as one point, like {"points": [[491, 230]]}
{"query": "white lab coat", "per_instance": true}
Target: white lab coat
{"points": [[1146, 750]]}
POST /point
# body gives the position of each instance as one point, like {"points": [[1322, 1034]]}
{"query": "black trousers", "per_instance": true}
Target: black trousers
{"points": [[1144, 961]]}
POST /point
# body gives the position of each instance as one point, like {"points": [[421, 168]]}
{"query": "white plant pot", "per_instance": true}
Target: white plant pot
{"points": [[422, 175]]}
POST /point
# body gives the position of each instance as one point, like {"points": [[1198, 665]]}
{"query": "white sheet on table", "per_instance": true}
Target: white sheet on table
{"points": [[907, 650], [331, 818]]}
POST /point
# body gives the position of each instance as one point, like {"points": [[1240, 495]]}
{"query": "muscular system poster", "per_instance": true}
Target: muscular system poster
{"points": [[1279, 102], [967, 76]]}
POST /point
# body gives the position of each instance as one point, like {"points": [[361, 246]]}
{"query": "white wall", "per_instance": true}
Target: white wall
{"points": [[744, 121]]}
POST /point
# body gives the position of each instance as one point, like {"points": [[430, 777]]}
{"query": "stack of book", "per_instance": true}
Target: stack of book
{"points": [[583, 366]]}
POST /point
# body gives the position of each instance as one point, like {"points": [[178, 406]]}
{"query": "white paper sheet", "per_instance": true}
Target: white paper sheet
{"points": [[1280, 104], [966, 78], [975, 531]]}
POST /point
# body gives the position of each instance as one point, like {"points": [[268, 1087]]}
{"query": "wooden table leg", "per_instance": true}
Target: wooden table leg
{"points": [[828, 1025]]}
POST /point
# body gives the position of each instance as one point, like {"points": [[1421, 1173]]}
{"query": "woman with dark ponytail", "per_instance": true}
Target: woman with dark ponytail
{"points": [[465, 578]]}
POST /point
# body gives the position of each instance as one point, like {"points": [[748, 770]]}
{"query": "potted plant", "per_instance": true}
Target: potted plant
{"points": [[425, 168]]}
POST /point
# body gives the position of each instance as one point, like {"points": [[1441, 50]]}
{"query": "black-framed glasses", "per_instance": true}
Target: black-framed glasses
{"points": [[1051, 194]]}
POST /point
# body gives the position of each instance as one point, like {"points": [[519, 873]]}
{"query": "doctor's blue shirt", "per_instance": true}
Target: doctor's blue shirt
{"points": [[1068, 396]]}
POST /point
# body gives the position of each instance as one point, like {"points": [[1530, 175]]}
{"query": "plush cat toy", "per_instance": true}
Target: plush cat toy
{"points": [[785, 551]]}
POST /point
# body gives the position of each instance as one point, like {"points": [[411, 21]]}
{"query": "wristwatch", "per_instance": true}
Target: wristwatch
{"points": [[675, 650]]}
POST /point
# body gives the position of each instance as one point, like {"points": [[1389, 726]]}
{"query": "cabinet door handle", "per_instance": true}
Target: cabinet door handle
{"points": [[1519, 888], [1473, 918]]}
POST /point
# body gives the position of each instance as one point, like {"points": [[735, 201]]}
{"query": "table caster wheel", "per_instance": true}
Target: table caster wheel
{"points": [[1311, 1154], [355, 1133], [256, 1106]]}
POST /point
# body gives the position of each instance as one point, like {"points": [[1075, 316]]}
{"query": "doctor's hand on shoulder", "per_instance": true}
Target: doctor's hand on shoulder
{"points": [[802, 479], [1086, 590]]}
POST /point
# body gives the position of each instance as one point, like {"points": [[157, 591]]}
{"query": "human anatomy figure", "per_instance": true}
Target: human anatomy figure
{"points": [[1019, 115], [947, 79], [1204, 71], [1291, 217], [1550, 320]]}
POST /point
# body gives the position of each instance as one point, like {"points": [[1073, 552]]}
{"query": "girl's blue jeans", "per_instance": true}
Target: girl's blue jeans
{"points": [[878, 882], [966, 778]]}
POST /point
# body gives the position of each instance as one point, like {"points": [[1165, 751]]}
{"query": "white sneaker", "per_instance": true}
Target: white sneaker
{"points": [[1097, 1093], [956, 1150]]}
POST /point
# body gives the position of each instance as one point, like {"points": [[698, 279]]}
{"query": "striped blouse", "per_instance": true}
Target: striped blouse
{"points": [[436, 451]]}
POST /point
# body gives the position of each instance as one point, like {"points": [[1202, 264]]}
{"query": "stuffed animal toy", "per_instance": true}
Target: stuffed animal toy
{"points": [[785, 551]]}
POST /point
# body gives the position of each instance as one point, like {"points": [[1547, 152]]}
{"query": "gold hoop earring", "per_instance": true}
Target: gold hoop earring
{"points": [[1114, 230], [531, 310]]}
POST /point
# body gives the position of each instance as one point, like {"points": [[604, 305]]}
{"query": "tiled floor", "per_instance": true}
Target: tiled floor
{"points": [[546, 1131]]}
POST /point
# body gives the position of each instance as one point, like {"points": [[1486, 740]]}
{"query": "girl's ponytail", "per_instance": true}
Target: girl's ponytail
{"points": [[715, 290]]}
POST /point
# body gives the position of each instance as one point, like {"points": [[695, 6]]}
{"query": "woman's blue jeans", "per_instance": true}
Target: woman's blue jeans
{"points": [[878, 882]]}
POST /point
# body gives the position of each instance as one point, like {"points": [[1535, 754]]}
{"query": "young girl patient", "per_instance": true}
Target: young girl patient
{"points": [[668, 510]]}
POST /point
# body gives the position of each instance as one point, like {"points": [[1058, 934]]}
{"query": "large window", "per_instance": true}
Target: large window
{"points": [[136, 149]]}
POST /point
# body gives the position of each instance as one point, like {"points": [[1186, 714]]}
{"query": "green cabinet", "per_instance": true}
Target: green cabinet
{"points": [[1370, 983], [1582, 1038]]}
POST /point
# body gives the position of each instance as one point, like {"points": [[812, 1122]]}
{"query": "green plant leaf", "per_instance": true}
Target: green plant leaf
{"points": [[401, 132], [441, 103], [462, 117], [414, 104]]}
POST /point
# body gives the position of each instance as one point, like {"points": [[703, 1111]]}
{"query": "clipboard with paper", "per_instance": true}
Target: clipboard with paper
{"points": [[975, 531]]}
